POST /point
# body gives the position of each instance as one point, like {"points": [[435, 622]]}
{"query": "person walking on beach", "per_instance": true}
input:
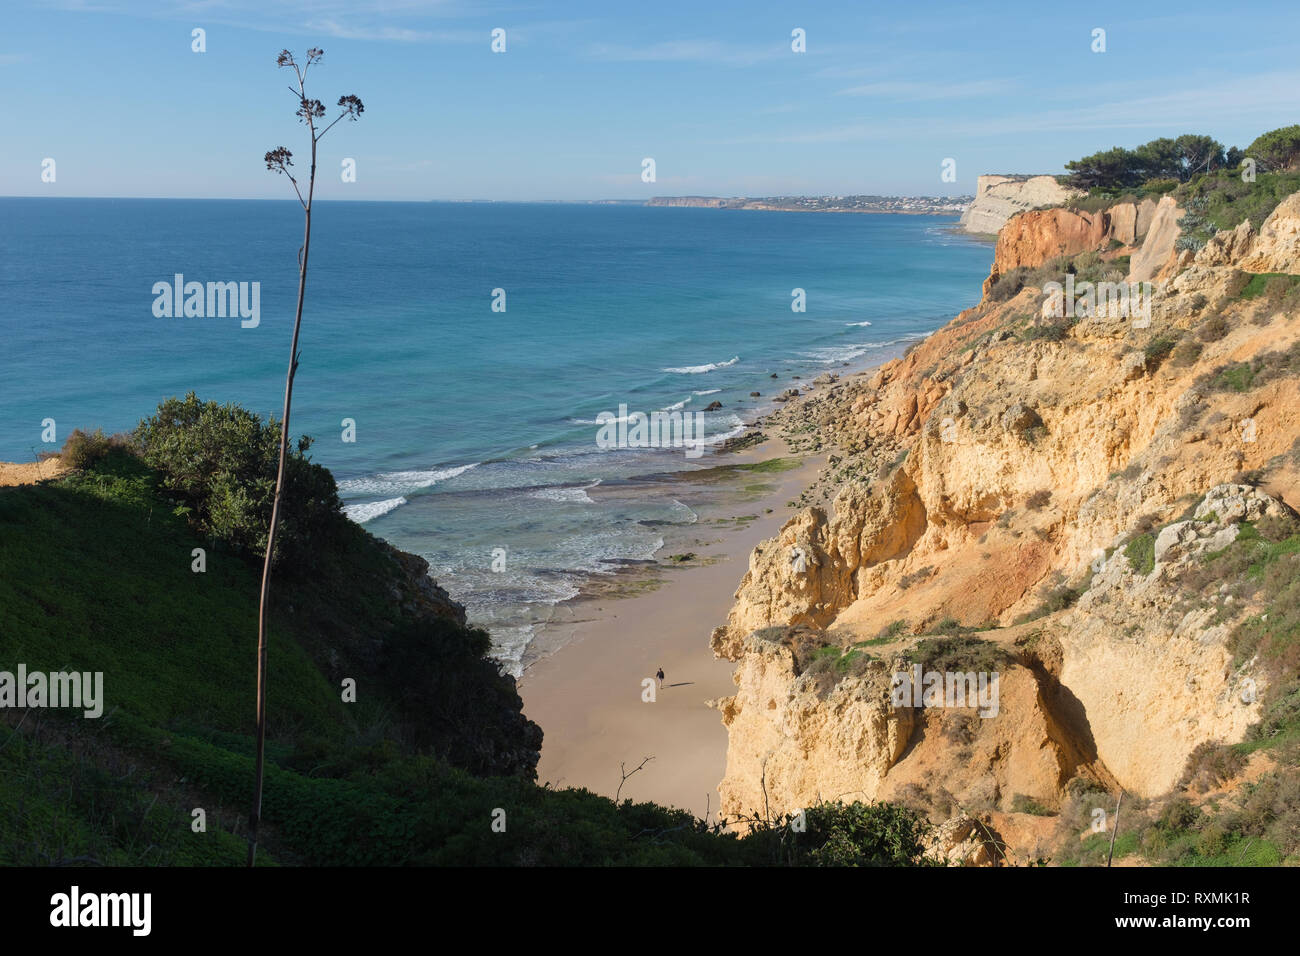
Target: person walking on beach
{"points": [[660, 675]]}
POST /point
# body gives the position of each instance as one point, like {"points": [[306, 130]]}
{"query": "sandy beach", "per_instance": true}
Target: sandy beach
{"points": [[587, 695]]}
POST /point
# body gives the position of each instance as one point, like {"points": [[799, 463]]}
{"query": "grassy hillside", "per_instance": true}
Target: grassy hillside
{"points": [[95, 575]]}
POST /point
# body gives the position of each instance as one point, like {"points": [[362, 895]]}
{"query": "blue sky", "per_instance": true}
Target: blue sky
{"points": [[111, 90]]}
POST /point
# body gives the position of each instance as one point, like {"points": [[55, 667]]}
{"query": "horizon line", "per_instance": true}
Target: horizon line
{"points": [[607, 199]]}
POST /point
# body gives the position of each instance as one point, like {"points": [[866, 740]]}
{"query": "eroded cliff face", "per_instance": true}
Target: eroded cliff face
{"points": [[1033, 238], [1151, 667], [998, 198], [996, 487]]}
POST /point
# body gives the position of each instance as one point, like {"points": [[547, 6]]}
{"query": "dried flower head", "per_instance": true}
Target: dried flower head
{"points": [[279, 160], [310, 109], [352, 107]]}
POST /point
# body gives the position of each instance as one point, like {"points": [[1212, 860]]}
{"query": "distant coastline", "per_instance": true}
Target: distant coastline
{"points": [[896, 205]]}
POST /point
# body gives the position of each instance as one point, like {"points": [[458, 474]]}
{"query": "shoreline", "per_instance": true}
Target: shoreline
{"points": [[585, 688]]}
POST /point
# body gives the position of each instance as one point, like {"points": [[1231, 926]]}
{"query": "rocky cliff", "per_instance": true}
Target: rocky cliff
{"points": [[998, 198], [1040, 498]]}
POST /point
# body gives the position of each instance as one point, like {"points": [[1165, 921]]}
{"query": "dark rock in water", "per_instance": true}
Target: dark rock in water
{"points": [[753, 395], [794, 376], [712, 406], [774, 375]]}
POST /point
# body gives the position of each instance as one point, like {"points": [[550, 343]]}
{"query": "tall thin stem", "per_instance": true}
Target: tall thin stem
{"points": [[255, 817]]}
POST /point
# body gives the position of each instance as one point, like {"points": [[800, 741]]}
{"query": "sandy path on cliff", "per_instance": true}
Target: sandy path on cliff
{"points": [[28, 473], [587, 695]]}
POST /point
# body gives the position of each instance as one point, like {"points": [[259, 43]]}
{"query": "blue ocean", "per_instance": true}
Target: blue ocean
{"points": [[471, 345]]}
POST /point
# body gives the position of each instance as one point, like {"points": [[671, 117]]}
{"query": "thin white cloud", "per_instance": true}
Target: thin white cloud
{"points": [[334, 28], [1265, 98]]}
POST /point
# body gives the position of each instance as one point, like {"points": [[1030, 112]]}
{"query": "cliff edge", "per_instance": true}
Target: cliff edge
{"points": [[1093, 503], [998, 198]]}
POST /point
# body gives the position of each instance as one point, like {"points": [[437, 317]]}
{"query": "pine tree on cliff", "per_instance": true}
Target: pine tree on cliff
{"points": [[280, 160]]}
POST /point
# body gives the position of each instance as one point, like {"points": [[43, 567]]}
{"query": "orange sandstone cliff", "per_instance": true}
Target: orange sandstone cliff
{"points": [[1046, 498]]}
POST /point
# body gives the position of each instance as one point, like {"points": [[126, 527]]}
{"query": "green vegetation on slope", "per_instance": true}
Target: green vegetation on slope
{"points": [[96, 575]]}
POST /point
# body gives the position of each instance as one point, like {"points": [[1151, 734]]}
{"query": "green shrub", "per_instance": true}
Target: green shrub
{"points": [[1141, 553], [1158, 187], [1046, 331], [1236, 378], [1024, 804], [1262, 369], [1226, 201], [1210, 765], [891, 631], [1006, 286], [861, 834], [1054, 597], [1277, 149], [1272, 285], [82, 450], [1178, 814], [1158, 349], [219, 461], [960, 653]]}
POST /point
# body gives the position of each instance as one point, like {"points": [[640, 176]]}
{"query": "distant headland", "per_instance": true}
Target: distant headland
{"points": [[903, 205]]}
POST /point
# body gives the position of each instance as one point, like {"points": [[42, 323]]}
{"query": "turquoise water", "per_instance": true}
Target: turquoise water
{"points": [[475, 429]]}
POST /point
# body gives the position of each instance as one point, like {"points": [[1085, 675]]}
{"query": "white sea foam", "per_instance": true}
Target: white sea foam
{"points": [[508, 646], [857, 325], [677, 407], [692, 516], [843, 353], [837, 353], [613, 419], [401, 482], [701, 369], [370, 510], [738, 428], [707, 391], [567, 495]]}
